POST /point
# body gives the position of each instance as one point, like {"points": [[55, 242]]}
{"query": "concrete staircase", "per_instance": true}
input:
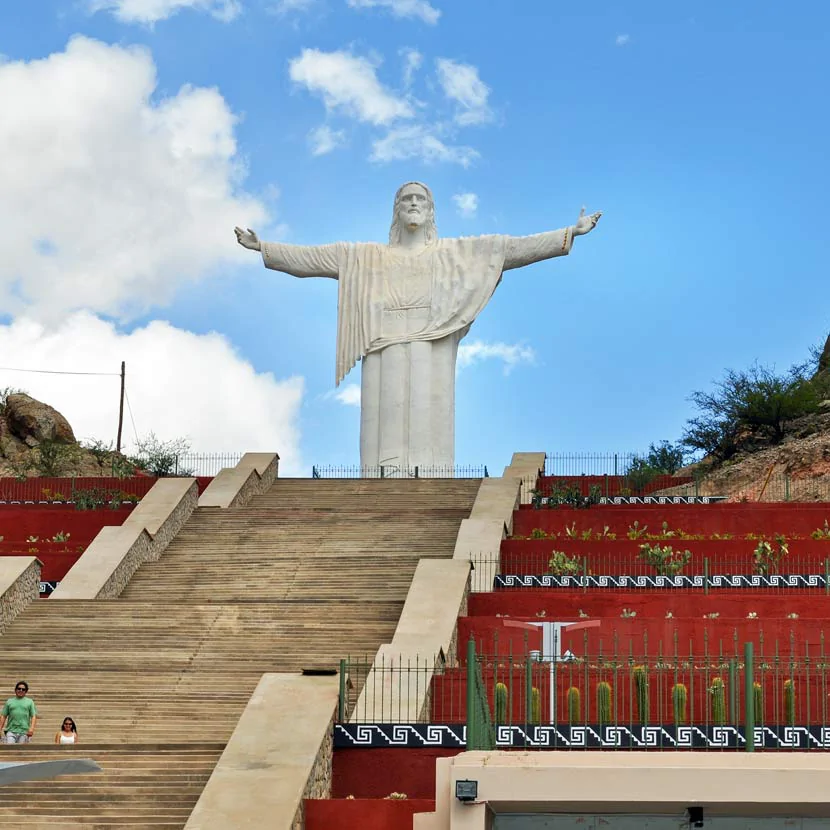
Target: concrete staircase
{"points": [[156, 680]]}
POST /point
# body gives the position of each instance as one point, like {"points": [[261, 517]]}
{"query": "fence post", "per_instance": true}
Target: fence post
{"points": [[528, 696], [827, 576], [733, 691], [749, 695], [486, 474], [341, 701], [472, 731], [705, 574], [381, 470], [416, 471], [786, 487]]}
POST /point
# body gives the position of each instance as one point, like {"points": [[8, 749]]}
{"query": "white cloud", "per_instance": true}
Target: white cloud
{"points": [[324, 139], [113, 200], [412, 60], [349, 83], [466, 204], [179, 384], [151, 11], [401, 8], [419, 142], [621, 40], [348, 394], [287, 6], [461, 84], [478, 350]]}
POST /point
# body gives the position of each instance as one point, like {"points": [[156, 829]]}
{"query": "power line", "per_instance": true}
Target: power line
{"points": [[55, 372], [130, 410]]}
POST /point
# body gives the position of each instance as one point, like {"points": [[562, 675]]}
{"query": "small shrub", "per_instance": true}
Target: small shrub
{"points": [[535, 706], [768, 557], [664, 560], [717, 693], [500, 700], [641, 689], [560, 564], [574, 705], [821, 532], [604, 702], [680, 699], [789, 701]]}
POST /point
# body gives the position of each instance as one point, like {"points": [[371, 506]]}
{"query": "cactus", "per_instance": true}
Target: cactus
{"points": [[679, 699], [718, 693], [603, 702], [574, 705], [641, 689], [535, 706], [758, 697], [789, 701], [501, 703]]}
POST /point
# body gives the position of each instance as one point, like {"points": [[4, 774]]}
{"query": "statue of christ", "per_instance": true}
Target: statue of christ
{"points": [[402, 310]]}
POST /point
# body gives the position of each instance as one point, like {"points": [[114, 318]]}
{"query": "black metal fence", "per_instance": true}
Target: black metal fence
{"points": [[393, 471]]}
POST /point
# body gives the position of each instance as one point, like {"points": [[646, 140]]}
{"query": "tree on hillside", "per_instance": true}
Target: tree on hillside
{"points": [[754, 402]]}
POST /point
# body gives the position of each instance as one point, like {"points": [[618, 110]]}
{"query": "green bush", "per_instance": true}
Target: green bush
{"points": [[604, 702], [680, 699], [574, 705]]}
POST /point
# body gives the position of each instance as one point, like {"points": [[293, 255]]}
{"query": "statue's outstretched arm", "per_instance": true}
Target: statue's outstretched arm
{"points": [[525, 250], [297, 260]]}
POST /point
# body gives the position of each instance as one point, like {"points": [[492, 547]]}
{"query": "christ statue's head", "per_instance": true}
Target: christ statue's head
{"points": [[414, 209]]}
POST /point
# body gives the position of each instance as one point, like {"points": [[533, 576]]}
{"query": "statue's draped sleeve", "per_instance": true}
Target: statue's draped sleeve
{"points": [[303, 260], [525, 250]]}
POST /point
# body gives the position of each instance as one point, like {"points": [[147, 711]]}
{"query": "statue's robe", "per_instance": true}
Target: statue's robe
{"points": [[403, 312]]}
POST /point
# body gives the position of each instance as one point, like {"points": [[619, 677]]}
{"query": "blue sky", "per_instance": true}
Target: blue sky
{"points": [[138, 132]]}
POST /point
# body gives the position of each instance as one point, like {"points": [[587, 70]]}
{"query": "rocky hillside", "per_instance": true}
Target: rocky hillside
{"points": [[36, 440], [798, 466]]}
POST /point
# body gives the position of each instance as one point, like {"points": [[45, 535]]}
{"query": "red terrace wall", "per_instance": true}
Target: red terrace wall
{"points": [[739, 519], [649, 635], [601, 603], [18, 522], [610, 485], [374, 773], [496, 636], [811, 693], [357, 814], [622, 556]]}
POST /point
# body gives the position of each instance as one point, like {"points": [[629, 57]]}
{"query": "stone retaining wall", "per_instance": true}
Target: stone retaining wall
{"points": [[19, 586]]}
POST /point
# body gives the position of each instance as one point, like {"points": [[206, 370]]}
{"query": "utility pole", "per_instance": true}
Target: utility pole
{"points": [[121, 407]]}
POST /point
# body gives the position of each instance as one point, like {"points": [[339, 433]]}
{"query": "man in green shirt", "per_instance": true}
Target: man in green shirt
{"points": [[19, 716]]}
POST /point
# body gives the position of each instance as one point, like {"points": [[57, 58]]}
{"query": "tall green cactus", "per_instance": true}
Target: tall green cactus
{"points": [[535, 706], [501, 703], [679, 699], [641, 689], [789, 701], [574, 705], [758, 697], [718, 694], [603, 702]]}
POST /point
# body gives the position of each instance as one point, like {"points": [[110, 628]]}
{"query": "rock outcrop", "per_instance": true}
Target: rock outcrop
{"points": [[36, 440], [32, 421]]}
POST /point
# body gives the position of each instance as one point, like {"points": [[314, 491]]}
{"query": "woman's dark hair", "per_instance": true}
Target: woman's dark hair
{"points": [[70, 721]]}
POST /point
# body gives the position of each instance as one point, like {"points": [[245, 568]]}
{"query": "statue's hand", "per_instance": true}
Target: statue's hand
{"points": [[247, 239], [584, 223]]}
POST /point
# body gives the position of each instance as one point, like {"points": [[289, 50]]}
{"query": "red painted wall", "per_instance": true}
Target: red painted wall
{"points": [[622, 556], [561, 605], [374, 773], [18, 522], [609, 485], [738, 519], [358, 814]]}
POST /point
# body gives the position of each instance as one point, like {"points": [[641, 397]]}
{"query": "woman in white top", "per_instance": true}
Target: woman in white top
{"points": [[68, 733]]}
